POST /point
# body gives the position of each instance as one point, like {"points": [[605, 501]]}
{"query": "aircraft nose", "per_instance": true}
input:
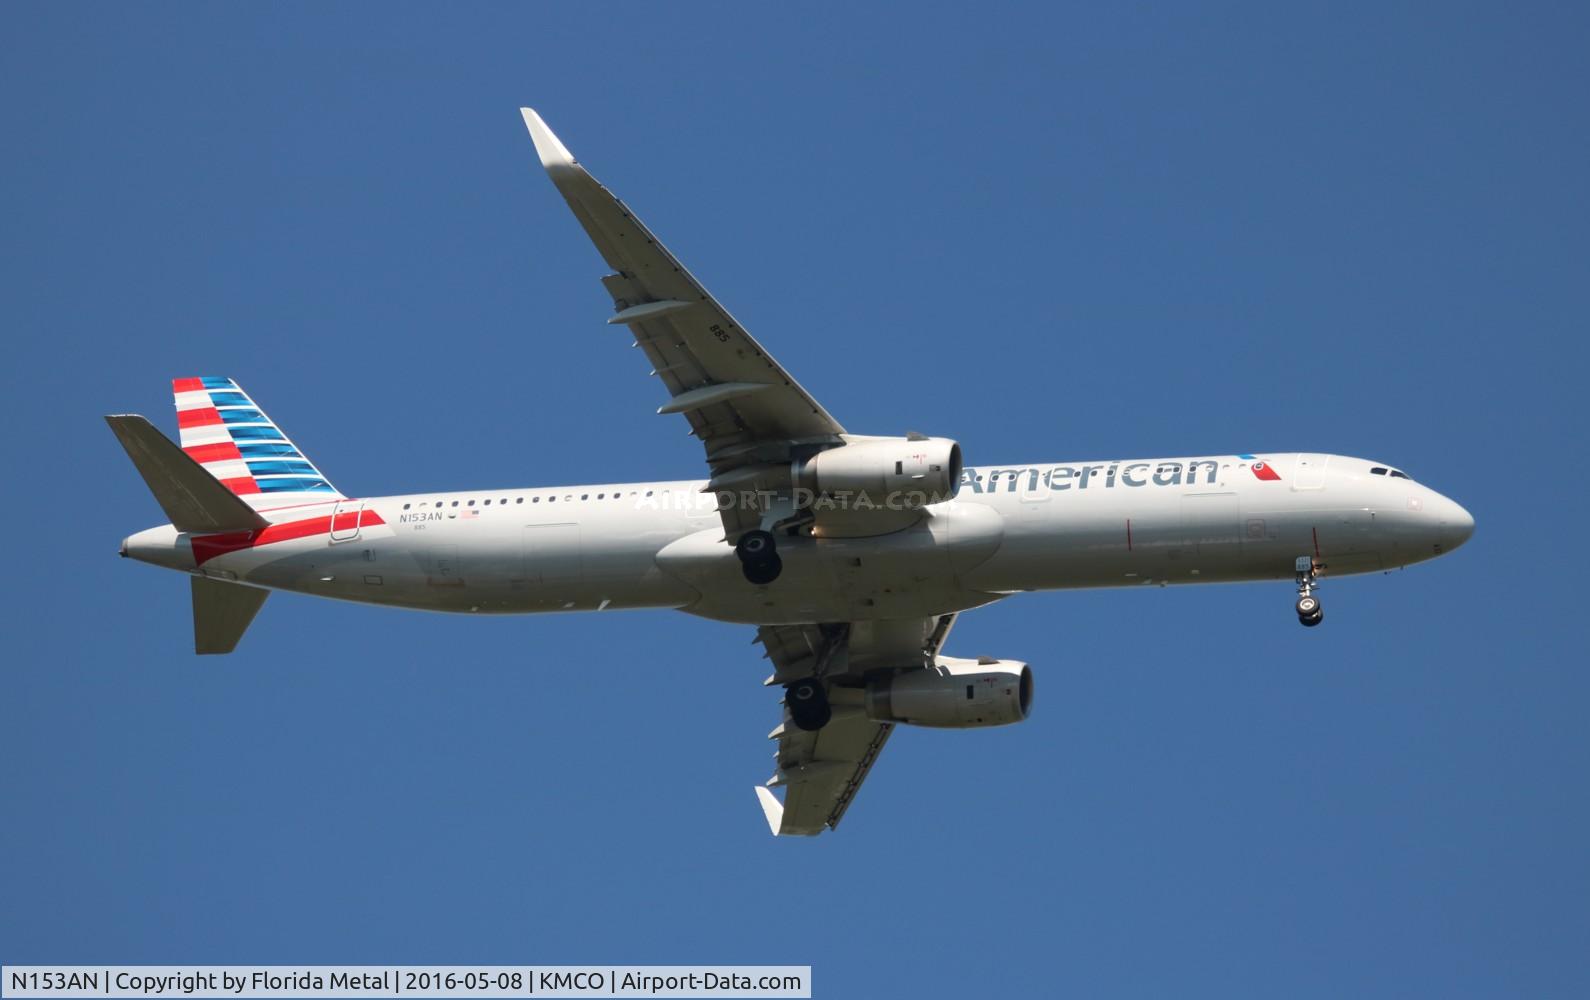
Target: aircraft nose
{"points": [[1457, 524], [123, 550]]}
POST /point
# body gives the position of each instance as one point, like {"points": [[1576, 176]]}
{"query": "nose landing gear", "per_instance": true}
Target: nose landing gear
{"points": [[1309, 612]]}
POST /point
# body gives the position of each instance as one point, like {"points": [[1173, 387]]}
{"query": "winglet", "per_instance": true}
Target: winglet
{"points": [[772, 808], [554, 155]]}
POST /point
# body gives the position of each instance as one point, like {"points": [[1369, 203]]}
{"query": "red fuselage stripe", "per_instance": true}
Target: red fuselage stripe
{"points": [[207, 547]]}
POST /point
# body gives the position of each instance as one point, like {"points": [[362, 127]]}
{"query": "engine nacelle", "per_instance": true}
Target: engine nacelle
{"points": [[955, 694], [897, 473]]}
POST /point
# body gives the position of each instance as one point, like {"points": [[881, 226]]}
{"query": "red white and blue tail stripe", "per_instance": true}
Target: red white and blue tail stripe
{"points": [[223, 430]]}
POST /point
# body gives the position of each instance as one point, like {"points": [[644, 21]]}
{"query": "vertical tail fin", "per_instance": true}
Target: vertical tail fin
{"points": [[231, 437]]}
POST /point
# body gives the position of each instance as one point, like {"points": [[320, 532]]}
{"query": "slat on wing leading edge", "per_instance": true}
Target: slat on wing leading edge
{"points": [[747, 411], [694, 345], [821, 772]]}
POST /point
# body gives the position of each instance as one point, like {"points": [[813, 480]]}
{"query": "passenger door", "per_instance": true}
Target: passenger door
{"points": [[345, 518], [1309, 472]]}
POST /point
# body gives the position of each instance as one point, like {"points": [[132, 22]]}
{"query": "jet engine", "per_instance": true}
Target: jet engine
{"points": [[893, 472], [954, 694]]}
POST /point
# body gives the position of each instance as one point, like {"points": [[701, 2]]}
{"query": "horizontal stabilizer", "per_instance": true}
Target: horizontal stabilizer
{"points": [[222, 612], [194, 500]]}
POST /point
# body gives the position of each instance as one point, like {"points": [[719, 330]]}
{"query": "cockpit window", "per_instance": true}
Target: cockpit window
{"points": [[1399, 475], [1377, 471]]}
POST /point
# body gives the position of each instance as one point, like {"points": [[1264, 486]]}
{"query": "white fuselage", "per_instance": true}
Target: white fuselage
{"points": [[1011, 528]]}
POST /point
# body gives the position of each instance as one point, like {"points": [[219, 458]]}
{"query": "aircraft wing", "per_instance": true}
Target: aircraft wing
{"points": [[740, 402], [821, 772]]}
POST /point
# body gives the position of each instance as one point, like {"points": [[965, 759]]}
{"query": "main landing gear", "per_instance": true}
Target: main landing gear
{"points": [[807, 700], [1309, 612], [758, 554]]}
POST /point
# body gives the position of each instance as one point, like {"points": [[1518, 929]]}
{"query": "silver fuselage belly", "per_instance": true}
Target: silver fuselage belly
{"points": [[1011, 528]]}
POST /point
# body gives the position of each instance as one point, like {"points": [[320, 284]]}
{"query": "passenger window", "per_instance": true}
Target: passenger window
{"points": [[488, 501], [455, 503], [405, 506], [471, 503]]}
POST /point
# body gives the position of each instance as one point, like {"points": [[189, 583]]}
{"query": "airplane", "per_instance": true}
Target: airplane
{"points": [[851, 554]]}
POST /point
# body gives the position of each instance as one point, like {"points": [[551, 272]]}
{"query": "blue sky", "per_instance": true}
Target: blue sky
{"points": [[1050, 232]]}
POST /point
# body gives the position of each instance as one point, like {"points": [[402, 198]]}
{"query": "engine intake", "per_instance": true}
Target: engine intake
{"points": [[954, 694], [890, 472]]}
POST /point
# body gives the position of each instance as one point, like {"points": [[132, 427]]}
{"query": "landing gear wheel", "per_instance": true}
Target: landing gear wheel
{"points": [[758, 554], [755, 545], [808, 704], [1309, 611], [762, 572]]}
